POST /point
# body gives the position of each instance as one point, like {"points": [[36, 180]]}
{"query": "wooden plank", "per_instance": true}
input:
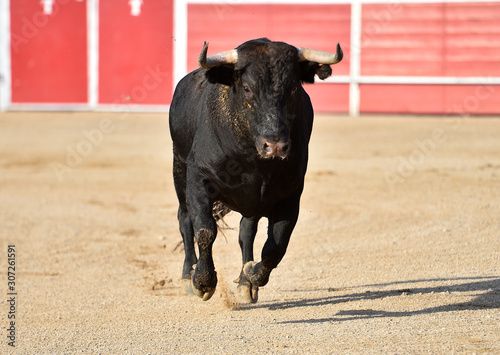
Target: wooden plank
{"points": [[461, 39], [329, 97], [430, 99]]}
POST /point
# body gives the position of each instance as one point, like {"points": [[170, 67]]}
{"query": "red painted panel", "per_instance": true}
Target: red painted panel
{"points": [[460, 39], [401, 39], [329, 97], [49, 52], [472, 99], [472, 46], [378, 98], [316, 26], [430, 99], [135, 52]]}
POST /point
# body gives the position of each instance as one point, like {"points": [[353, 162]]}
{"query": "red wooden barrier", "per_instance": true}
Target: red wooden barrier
{"points": [[135, 52], [48, 52]]}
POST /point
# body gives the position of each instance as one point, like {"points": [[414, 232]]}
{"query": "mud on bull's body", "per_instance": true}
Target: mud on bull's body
{"points": [[240, 127]]}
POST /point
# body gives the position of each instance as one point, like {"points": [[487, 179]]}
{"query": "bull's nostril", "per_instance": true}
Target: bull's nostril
{"points": [[270, 148]]}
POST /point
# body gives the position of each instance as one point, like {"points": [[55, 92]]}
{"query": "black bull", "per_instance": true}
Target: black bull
{"points": [[240, 127]]}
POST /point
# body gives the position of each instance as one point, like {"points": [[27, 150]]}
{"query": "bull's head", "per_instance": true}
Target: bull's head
{"points": [[266, 82]]}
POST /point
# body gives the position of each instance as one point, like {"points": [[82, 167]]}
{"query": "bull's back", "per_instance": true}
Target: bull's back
{"points": [[186, 110]]}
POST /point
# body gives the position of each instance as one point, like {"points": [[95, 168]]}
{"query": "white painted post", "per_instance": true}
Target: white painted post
{"points": [[93, 53], [5, 67], [355, 58]]}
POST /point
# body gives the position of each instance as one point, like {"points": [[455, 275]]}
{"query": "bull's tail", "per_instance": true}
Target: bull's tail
{"points": [[219, 210]]}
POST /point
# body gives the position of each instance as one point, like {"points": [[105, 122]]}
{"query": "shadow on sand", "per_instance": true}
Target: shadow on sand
{"points": [[490, 298]]}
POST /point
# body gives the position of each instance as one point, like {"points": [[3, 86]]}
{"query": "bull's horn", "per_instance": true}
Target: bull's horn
{"points": [[313, 55], [227, 57]]}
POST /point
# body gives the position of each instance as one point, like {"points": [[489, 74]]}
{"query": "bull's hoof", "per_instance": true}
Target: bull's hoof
{"points": [[248, 293], [256, 274], [187, 286], [186, 283], [204, 294], [202, 290]]}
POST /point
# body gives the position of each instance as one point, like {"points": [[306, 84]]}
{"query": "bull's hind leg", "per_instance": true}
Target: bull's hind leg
{"points": [[199, 198], [186, 229], [281, 224], [185, 225], [248, 229]]}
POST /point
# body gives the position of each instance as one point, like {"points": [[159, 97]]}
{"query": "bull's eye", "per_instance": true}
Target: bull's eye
{"points": [[247, 91]]}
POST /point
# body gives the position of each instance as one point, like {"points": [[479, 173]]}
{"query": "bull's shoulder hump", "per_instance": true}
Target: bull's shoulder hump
{"points": [[189, 89], [193, 80]]}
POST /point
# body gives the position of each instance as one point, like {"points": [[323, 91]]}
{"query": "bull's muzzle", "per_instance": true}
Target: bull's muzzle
{"points": [[272, 148]]}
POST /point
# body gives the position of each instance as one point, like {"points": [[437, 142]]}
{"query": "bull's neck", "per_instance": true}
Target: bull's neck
{"points": [[227, 116]]}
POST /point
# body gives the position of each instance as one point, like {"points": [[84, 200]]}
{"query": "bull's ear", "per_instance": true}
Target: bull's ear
{"points": [[223, 74], [309, 69]]}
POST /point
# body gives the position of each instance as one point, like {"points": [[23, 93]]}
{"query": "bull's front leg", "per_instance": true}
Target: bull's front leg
{"points": [[199, 196], [281, 224]]}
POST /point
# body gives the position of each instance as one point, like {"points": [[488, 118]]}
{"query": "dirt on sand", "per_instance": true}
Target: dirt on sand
{"points": [[396, 249]]}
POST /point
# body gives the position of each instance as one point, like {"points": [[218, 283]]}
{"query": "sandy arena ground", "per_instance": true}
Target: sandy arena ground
{"points": [[396, 250]]}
